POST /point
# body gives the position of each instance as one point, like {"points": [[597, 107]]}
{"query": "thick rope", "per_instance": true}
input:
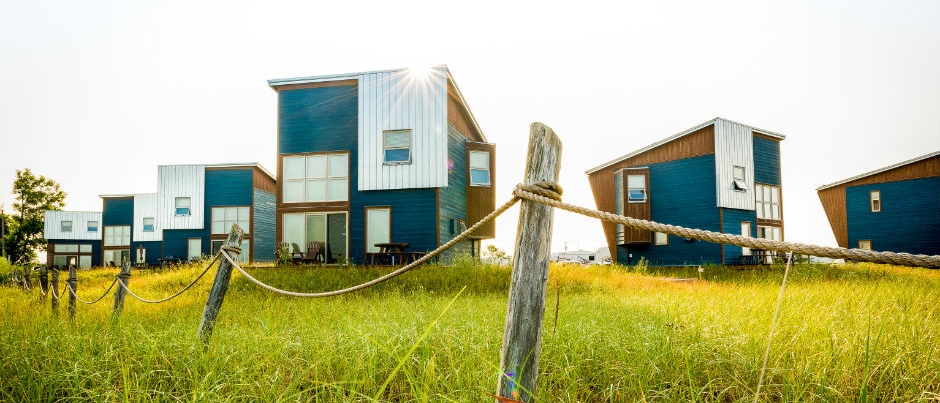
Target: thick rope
{"points": [[157, 301], [68, 285], [773, 326], [901, 259], [412, 265]]}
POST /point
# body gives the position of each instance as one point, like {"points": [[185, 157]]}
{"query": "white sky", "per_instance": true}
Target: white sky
{"points": [[96, 94]]}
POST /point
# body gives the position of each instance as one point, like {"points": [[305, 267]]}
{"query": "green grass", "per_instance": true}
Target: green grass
{"points": [[846, 333]]}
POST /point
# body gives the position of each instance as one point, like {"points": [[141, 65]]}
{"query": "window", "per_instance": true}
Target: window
{"points": [[92, 226], [875, 197], [660, 238], [328, 228], [193, 248], [242, 257], [397, 145], [479, 168], [636, 188], [224, 217], [745, 232], [767, 202], [66, 226], [148, 224], [117, 235], [739, 183], [316, 178], [183, 205], [378, 227], [864, 244]]}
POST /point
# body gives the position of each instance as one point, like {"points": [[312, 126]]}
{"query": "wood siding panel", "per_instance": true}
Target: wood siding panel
{"points": [[733, 147], [146, 205], [833, 202], [698, 143], [264, 182], [636, 210], [181, 181], [399, 100], [481, 200], [52, 225], [459, 116]]}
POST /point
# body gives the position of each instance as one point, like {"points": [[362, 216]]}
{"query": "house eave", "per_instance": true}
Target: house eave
{"points": [[880, 170]]}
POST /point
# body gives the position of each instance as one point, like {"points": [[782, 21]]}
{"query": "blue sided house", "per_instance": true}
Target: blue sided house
{"points": [[719, 176], [190, 216], [380, 157], [895, 208]]}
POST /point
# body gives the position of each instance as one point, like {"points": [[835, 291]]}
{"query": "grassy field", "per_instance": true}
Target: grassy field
{"points": [[845, 334]]}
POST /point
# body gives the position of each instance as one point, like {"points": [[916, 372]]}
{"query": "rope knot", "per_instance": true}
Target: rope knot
{"points": [[548, 189], [232, 248]]}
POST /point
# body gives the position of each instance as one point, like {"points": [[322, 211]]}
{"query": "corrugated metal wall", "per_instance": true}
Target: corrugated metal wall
{"points": [[733, 147], [181, 181], [53, 225], [400, 100], [145, 205]]}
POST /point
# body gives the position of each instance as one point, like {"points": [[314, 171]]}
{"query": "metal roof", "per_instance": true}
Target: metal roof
{"points": [[880, 170], [680, 135]]}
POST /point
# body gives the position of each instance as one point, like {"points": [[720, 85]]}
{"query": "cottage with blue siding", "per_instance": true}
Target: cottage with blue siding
{"points": [[74, 238], [895, 208], [719, 176], [189, 216], [379, 157]]}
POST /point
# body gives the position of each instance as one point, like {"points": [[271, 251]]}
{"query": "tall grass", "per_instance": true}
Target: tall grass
{"points": [[850, 333]]}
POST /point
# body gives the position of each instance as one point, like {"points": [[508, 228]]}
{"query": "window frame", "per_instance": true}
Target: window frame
{"points": [[631, 189], [386, 147], [65, 225], [660, 238], [472, 168], [874, 201], [370, 245], [89, 227], [109, 238], [304, 180], [863, 242], [225, 222], [178, 209], [738, 182], [145, 227], [761, 205]]}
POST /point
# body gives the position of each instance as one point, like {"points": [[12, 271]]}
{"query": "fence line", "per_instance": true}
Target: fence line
{"points": [[178, 293]]}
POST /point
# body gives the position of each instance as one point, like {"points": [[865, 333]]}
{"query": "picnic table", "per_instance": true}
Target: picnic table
{"points": [[392, 253]]}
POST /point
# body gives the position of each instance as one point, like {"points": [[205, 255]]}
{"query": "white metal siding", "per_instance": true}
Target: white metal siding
{"points": [[734, 146], [181, 181], [145, 205], [400, 100], [52, 227]]}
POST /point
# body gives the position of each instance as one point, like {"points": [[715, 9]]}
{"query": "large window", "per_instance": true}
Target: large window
{"points": [[328, 228], [479, 168], [224, 217], [117, 235], [378, 227], [636, 188], [183, 205], [767, 202], [148, 224], [79, 255], [875, 199], [316, 178], [397, 146]]}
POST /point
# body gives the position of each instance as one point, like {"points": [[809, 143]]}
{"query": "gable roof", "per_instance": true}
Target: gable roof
{"points": [[451, 83], [880, 170], [678, 136]]}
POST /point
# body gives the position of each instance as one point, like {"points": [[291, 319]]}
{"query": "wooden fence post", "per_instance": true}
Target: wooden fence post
{"points": [[73, 285], [217, 294], [26, 281], [43, 282], [123, 279], [522, 339], [55, 291]]}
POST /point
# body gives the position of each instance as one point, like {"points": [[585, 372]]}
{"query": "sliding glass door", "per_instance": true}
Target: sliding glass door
{"points": [[327, 228]]}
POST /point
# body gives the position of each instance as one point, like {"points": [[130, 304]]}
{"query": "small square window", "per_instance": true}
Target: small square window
{"points": [[148, 224], [92, 226], [739, 182], [66, 226], [479, 168], [183, 205], [864, 244], [875, 197], [660, 238], [636, 188], [397, 146]]}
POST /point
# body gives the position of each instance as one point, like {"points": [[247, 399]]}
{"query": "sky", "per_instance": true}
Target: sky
{"points": [[96, 94]]}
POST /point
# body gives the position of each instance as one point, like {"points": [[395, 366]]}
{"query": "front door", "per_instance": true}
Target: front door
{"points": [[194, 248]]}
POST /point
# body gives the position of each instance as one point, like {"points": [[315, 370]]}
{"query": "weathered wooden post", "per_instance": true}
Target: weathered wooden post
{"points": [[43, 282], [522, 339], [219, 285], [26, 281], [123, 278], [73, 285], [55, 291]]}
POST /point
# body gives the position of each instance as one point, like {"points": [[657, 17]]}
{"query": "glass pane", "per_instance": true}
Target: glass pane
{"points": [[760, 209], [293, 191], [480, 159], [183, 202], [739, 173], [243, 257], [84, 262], [92, 226], [218, 227], [59, 261], [336, 237], [316, 229], [378, 230], [775, 194], [293, 229], [218, 213], [84, 248], [636, 195], [339, 189], [244, 213], [768, 210], [767, 195], [244, 226], [194, 248], [293, 167], [636, 182], [231, 213], [316, 166], [759, 194], [339, 165], [316, 190], [775, 209], [778, 234], [401, 138], [398, 155], [479, 177]]}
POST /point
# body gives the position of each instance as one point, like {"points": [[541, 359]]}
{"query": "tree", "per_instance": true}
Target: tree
{"points": [[33, 196]]}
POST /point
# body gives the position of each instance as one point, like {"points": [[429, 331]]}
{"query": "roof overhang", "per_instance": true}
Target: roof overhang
{"points": [[880, 170]]}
